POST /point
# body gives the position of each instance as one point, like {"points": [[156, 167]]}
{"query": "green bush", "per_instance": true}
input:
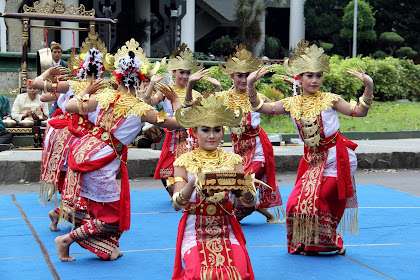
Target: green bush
{"points": [[224, 46], [380, 54]]}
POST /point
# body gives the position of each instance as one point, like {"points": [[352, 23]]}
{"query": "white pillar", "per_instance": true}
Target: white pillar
{"points": [[3, 38], [260, 45], [143, 12], [67, 35], [297, 23], [188, 25]]}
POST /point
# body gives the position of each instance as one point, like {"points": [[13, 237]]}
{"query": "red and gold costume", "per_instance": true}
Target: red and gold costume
{"points": [[325, 181], [61, 132], [177, 142], [95, 160], [249, 140]]}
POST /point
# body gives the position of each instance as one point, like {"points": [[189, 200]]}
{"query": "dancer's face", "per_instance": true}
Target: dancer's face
{"points": [[181, 77], [208, 137], [311, 82], [239, 81]]}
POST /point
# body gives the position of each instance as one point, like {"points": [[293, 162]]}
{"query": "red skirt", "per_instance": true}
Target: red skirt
{"points": [[323, 236]]}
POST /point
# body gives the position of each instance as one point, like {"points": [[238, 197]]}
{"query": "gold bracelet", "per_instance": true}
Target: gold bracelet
{"points": [[179, 179], [45, 85], [174, 200], [368, 100], [54, 86], [252, 95], [256, 108], [353, 104], [188, 103], [364, 104], [181, 196]]}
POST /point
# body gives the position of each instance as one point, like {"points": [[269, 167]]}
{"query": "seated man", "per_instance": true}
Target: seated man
{"points": [[29, 105], [56, 53], [5, 137]]}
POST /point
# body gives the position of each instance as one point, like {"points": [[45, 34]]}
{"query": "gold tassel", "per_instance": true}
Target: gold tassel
{"points": [[206, 273], [44, 194], [349, 222], [278, 212]]}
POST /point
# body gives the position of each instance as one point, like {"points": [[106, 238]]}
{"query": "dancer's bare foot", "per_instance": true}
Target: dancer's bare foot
{"points": [[266, 213], [54, 220], [63, 243], [342, 251], [115, 254]]}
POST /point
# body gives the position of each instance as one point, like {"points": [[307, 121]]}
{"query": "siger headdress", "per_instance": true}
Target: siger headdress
{"points": [[307, 59], [242, 61], [182, 58], [208, 111]]}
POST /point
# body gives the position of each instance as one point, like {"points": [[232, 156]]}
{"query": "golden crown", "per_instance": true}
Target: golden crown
{"points": [[307, 59], [182, 58], [242, 61], [92, 41], [208, 111]]}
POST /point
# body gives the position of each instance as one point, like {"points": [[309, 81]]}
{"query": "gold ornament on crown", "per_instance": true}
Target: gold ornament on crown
{"points": [[307, 59], [58, 8], [148, 68], [182, 58], [208, 111], [92, 41], [242, 61]]}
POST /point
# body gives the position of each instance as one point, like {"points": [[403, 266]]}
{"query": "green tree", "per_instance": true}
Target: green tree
{"points": [[323, 22], [248, 14], [400, 16], [392, 40], [406, 52], [365, 22]]}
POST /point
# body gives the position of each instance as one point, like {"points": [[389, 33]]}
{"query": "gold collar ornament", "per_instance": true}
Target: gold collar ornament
{"points": [[242, 61], [91, 42], [208, 111], [182, 58], [307, 59]]}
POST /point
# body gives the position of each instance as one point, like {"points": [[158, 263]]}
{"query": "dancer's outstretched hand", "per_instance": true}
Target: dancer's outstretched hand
{"points": [[198, 75], [256, 75], [361, 75]]}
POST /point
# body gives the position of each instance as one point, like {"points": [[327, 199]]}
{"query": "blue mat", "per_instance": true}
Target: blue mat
{"points": [[385, 247]]}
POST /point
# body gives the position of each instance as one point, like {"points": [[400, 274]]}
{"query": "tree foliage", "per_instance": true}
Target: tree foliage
{"points": [[365, 22], [248, 14], [392, 40]]}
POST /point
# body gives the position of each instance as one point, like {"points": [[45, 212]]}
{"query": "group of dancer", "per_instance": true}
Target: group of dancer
{"points": [[85, 151]]}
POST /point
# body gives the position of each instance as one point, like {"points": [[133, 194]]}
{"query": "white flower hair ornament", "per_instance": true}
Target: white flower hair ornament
{"points": [[91, 58], [129, 71]]}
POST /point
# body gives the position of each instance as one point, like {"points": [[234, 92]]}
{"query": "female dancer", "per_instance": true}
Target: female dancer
{"points": [[177, 142], [65, 128], [97, 158], [210, 240], [249, 139], [325, 180]]}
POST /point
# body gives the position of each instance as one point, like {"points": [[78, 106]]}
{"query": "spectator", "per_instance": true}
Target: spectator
{"points": [[56, 53], [29, 105], [5, 137]]}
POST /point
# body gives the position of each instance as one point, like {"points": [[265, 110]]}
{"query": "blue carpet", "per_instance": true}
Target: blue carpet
{"points": [[385, 247]]}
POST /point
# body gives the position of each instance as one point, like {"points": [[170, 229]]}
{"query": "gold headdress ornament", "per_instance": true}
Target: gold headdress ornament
{"points": [[182, 58], [92, 41], [148, 68], [242, 61], [307, 59], [208, 111]]}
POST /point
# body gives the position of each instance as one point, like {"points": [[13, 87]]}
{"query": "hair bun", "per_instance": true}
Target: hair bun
{"points": [[131, 54]]}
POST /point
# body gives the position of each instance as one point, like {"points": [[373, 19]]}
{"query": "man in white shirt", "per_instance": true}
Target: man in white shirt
{"points": [[29, 105]]}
